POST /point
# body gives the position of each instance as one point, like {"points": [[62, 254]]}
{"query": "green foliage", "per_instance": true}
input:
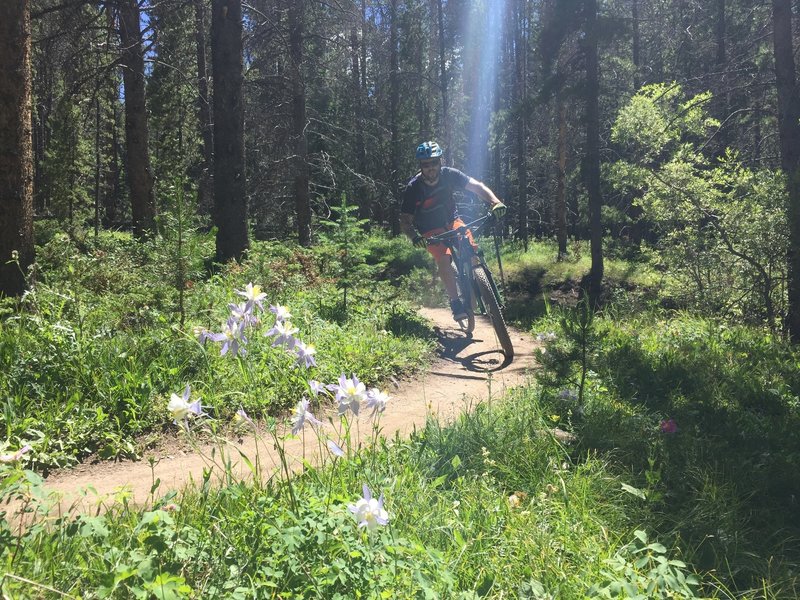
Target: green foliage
{"points": [[705, 418], [67, 164], [342, 245], [94, 350], [643, 571], [722, 234]]}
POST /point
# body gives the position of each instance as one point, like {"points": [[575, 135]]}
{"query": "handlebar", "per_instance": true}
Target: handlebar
{"points": [[452, 234]]}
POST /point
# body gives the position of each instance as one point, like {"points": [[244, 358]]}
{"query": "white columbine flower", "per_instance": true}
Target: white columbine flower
{"points": [[376, 400], [368, 511], [253, 295], [301, 415], [281, 312], [180, 408], [349, 393], [284, 334]]}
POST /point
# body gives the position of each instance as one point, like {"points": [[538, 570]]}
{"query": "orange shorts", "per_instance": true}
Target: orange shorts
{"points": [[440, 250]]}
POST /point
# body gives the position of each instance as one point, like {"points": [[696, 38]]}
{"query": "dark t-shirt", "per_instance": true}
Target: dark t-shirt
{"points": [[433, 206]]}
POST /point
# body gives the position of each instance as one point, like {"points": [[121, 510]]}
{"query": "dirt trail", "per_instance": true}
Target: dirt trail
{"points": [[456, 379]]}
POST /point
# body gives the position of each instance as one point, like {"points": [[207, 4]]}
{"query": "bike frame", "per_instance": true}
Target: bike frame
{"points": [[466, 259]]}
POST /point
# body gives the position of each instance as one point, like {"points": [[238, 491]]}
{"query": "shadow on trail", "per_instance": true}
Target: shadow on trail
{"points": [[484, 361]]}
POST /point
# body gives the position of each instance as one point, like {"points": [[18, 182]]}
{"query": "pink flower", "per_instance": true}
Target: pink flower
{"points": [[668, 426]]}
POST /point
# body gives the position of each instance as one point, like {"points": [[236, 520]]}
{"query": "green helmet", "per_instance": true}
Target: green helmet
{"points": [[428, 150]]}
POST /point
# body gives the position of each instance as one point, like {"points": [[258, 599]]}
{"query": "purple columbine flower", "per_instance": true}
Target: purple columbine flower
{"points": [[349, 393], [15, 456], [316, 387], [202, 334], [232, 336], [301, 415], [335, 449], [243, 313], [305, 354], [243, 417], [369, 512], [253, 296], [281, 312], [284, 334]]}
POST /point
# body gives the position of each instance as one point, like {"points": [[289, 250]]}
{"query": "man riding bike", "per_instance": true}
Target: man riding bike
{"points": [[429, 209]]}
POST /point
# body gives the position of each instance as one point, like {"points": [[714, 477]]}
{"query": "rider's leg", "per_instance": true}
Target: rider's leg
{"points": [[447, 275]]}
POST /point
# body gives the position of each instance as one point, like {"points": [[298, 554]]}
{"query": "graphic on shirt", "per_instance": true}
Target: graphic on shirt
{"points": [[433, 207]]}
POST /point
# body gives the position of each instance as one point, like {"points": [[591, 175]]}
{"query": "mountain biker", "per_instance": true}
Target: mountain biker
{"points": [[429, 208]]}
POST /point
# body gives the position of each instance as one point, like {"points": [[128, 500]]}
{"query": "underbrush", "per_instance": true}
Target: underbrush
{"points": [[705, 418], [491, 506], [90, 353]]}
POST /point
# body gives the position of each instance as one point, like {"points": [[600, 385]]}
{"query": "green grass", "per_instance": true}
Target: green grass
{"points": [[492, 506], [90, 357]]}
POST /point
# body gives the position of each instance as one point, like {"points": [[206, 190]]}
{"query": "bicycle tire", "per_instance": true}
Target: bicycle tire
{"points": [[492, 305], [467, 325]]}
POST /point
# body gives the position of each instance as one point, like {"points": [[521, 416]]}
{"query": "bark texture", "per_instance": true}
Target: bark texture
{"points": [[789, 133], [140, 175], [230, 198], [16, 145]]}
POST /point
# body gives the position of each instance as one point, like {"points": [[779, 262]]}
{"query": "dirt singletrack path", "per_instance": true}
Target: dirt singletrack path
{"points": [[458, 378]]}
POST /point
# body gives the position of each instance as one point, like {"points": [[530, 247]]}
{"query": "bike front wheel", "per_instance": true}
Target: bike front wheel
{"points": [[492, 305]]}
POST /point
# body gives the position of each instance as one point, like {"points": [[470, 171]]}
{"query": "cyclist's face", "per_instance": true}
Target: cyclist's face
{"points": [[430, 170]]}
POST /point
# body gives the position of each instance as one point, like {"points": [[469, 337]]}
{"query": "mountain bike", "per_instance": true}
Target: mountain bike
{"points": [[476, 286]]}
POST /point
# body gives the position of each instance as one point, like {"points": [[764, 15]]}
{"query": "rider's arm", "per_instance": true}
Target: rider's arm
{"points": [[482, 191], [407, 225]]}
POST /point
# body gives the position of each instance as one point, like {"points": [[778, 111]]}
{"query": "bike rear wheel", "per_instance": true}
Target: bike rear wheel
{"points": [[492, 305]]}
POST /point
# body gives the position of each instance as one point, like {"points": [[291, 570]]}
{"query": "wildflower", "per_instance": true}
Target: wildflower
{"points": [[284, 334], [242, 417], [253, 295], [668, 426], [369, 512], [201, 333], [15, 456], [349, 393], [232, 335], [546, 337], [281, 312], [305, 354], [334, 448], [316, 387], [243, 313], [301, 415], [376, 400], [181, 408], [566, 394]]}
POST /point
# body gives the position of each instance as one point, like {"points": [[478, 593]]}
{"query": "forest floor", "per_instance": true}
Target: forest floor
{"points": [[467, 370]]}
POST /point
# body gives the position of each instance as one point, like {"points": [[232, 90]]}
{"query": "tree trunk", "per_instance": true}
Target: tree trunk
{"points": [[637, 80], [140, 175], [521, 55], [301, 176], [230, 198], [561, 177], [16, 147], [592, 158], [789, 133], [443, 84], [394, 102], [361, 191], [205, 190]]}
